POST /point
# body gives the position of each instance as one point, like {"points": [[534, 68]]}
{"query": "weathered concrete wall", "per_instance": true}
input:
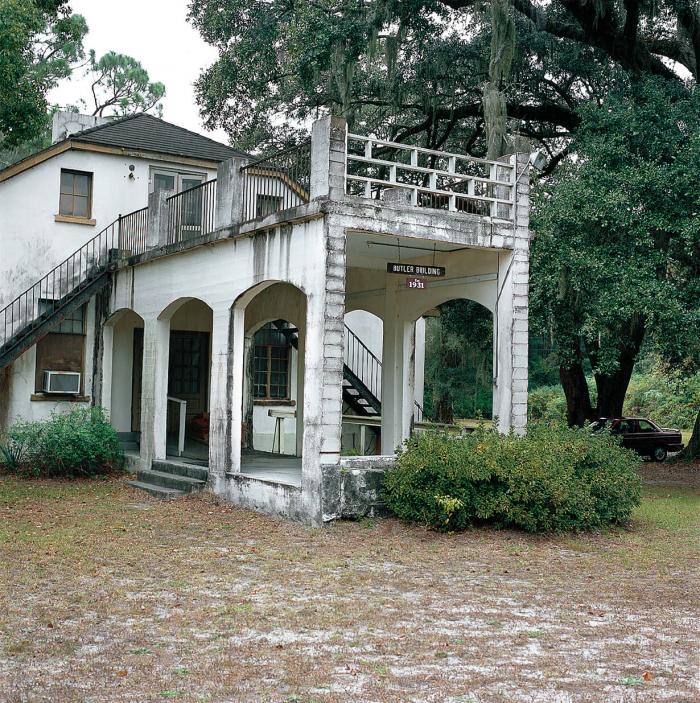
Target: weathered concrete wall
{"points": [[355, 486], [32, 242], [23, 402]]}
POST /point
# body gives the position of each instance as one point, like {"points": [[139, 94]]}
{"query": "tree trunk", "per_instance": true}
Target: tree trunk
{"points": [[692, 451], [444, 411], [612, 388], [578, 399]]}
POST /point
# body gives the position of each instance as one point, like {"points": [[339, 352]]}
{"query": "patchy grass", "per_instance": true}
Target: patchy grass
{"points": [[108, 595]]}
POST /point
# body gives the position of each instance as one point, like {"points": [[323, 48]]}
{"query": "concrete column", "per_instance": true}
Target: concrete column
{"points": [[219, 393], [323, 379], [329, 137], [229, 192], [511, 313], [398, 377], [157, 235], [154, 389], [299, 428], [107, 357], [237, 383]]}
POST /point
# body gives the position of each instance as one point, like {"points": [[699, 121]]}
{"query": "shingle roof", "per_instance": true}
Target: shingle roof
{"points": [[144, 132]]}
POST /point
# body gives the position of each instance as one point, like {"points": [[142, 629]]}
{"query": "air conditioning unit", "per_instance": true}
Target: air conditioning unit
{"points": [[64, 382]]}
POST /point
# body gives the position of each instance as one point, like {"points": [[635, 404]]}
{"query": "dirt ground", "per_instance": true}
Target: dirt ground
{"points": [[108, 595]]}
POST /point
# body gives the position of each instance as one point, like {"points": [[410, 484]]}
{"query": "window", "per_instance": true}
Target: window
{"points": [[267, 204], [271, 363], [173, 180], [185, 373], [646, 426], [63, 348], [164, 181], [76, 194], [72, 323]]}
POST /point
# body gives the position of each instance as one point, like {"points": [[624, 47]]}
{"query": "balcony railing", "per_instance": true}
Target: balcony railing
{"points": [[434, 179], [192, 213], [277, 182], [133, 232]]}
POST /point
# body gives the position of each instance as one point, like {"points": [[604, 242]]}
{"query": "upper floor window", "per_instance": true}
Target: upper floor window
{"points": [[76, 193], [172, 180]]}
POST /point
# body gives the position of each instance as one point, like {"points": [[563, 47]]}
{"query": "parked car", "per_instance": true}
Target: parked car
{"points": [[642, 435]]}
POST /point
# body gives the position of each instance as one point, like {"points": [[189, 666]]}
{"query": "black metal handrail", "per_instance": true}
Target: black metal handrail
{"points": [[192, 212], [368, 368], [126, 236], [46, 295], [277, 182], [363, 363], [133, 231]]}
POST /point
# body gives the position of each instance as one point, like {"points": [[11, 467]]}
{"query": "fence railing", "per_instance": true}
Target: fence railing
{"points": [[434, 179], [363, 363], [41, 300], [192, 213], [277, 182], [133, 232]]}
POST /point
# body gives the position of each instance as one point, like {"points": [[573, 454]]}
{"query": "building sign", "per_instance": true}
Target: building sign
{"points": [[415, 283], [417, 270]]}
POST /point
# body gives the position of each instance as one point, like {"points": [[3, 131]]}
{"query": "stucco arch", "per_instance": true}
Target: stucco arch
{"points": [[263, 303], [122, 336], [172, 308]]}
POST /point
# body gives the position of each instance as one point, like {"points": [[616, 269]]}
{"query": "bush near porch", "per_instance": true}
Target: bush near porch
{"points": [[552, 479], [81, 442]]}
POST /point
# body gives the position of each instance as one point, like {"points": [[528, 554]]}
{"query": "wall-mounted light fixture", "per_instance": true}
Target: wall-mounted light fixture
{"points": [[538, 159], [131, 172]]}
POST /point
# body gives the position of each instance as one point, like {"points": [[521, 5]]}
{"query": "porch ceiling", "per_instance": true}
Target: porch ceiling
{"points": [[374, 251]]}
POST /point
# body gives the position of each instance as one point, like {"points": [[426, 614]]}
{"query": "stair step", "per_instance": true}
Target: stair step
{"points": [[167, 480], [181, 469], [157, 491]]}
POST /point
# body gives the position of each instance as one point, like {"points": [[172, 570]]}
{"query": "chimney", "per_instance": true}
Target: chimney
{"points": [[66, 123]]}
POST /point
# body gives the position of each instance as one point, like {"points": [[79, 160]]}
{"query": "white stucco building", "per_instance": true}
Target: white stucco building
{"points": [[260, 324]]}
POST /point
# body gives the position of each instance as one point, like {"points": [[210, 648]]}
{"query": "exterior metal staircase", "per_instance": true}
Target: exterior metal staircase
{"points": [[362, 371], [42, 307], [362, 374]]}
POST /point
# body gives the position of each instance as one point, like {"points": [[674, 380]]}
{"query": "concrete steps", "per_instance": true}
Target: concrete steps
{"points": [[171, 479]]}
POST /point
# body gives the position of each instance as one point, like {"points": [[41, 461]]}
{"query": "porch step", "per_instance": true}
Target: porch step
{"points": [[157, 491], [170, 480], [181, 468]]}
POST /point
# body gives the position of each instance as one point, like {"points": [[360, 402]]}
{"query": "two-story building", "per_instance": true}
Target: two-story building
{"points": [[223, 307]]}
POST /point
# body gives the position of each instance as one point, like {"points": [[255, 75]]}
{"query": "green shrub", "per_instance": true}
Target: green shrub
{"points": [[554, 478], [78, 443], [670, 398]]}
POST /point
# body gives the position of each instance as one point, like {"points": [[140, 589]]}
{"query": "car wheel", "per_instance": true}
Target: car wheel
{"points": [[659, 454]]}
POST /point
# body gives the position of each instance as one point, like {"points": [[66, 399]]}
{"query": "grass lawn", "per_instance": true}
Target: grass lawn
{"points": [[108, 595]]}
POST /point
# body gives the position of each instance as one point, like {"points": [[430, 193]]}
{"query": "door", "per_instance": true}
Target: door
{"points": [[137, 370], [188, 373]]}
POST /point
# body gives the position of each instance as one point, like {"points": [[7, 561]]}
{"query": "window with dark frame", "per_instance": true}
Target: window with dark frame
{"points": [[72, 323], [271, 364], [76, 194], [63, 348]]}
